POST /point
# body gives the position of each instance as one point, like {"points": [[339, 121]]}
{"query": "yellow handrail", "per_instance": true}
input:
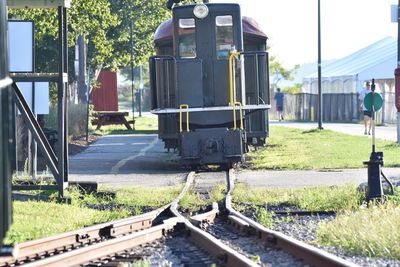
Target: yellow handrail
{"points": [[187, 117], [241, 115], [233, 55], [232, 91]]}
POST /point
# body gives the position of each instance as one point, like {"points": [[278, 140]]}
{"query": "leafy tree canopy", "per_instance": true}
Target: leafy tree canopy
{"points": [[106, 24]]}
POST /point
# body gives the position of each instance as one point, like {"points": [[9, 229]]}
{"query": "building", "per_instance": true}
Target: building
{"points": [[344, 78]]}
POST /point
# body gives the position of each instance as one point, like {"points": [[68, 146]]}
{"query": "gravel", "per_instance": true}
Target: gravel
{"points": [[172, 250], [303, 228], [251, 247]]}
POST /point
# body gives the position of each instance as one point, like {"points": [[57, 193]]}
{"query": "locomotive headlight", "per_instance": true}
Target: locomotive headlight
{"points": [[200, 11]]}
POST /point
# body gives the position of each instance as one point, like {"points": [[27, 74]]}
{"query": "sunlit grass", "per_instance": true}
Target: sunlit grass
{"points": [[131, 196], [37, 219], [332, 198], [359, 230], [295, 149], [33, 220], [372, 232]]}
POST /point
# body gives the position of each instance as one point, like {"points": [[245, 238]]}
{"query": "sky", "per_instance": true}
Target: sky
{"points": [[346, 26]]}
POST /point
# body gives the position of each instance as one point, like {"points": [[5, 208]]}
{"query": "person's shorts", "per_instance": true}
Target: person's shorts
{"points": [[367, 113], [279, 108]]}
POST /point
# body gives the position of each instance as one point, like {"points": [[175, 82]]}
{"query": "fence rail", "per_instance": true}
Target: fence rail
{"points": [[335, 108]]}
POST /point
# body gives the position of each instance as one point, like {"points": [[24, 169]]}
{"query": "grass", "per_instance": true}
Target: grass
{"points": [[143, 125], [368, 231], [193, 201], [295, 149], [33, 220], [372, 232], [37, 219], [333, 198], [141, 197]]}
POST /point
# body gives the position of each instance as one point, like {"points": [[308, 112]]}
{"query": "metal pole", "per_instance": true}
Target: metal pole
{"points": [[373, 114], [60, 102], [87, 104], [65, 80], [7, 122], [82, 69], [132, 77], [140, 90], [398, 66], [319, 68]]}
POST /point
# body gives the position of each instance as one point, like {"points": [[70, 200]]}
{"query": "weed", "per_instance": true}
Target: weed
{"points": [[264, 217], [255, 258]]}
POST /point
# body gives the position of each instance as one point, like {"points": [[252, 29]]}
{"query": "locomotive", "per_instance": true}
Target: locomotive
{"points": [[209, 83]]}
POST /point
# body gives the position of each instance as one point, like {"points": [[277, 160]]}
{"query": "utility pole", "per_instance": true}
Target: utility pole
{"points": [[82, 88], [140, 90], [132, 77], [319, 69]]}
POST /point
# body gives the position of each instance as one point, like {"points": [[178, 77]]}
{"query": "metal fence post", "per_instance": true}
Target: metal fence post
{"points": [[6, 130]]}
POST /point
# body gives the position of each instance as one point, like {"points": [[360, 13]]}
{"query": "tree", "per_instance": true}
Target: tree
{"points": [[277, 71], [90, 17], [105, 23], [144, 16]]}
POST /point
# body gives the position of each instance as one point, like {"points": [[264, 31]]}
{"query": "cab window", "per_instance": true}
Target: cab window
{"points": [[224, 36], [187, 38]]}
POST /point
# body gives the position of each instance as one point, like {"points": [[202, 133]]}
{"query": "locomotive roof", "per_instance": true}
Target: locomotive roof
{"points": [[164, 32]]}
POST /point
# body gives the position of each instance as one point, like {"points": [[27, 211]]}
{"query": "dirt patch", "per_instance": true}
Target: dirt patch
{"points": [[80, 144]]}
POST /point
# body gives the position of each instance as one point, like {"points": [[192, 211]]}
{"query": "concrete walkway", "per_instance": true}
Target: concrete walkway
{"points": [[141, 160]]}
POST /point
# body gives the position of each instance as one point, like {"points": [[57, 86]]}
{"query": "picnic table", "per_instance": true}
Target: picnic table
{"points": [[112, 117]]}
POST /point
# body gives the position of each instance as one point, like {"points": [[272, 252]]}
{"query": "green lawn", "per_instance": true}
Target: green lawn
{"points": [[295, 149]]}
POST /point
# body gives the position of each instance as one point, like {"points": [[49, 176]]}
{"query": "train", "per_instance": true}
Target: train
{"points": [[209, 84]]}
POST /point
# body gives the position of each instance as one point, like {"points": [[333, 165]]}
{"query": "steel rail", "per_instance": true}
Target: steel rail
{"points": [[78, 238], [299, 249], [107, 248], [115, 237], [213, 246]]}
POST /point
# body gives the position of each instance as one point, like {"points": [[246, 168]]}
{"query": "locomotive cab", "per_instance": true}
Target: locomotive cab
{"points": [[199, 84]]}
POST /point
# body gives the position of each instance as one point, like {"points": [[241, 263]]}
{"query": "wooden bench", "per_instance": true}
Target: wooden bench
{"points": [[112, 117]]}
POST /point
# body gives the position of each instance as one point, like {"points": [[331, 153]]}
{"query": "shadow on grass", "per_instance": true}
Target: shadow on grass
{"points": [[119, 132], [392, 145], [273, 145], [316, 130]]}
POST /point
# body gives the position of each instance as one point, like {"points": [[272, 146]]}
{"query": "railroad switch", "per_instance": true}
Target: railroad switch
{"points": [[375, 163], [373, 102]]}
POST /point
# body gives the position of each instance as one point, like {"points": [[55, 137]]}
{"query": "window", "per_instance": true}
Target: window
{"points": [[224, 36], [187, 38]]}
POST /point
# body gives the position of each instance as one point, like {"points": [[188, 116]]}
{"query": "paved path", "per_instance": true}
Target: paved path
{"points": [[140, 160], [119, 160]]}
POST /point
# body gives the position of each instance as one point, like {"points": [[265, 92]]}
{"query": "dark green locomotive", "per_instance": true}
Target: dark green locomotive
{"points": [[209, 83]]}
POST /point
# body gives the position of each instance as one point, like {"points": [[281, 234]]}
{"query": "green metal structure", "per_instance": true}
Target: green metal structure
{"points": [[7, 152]]}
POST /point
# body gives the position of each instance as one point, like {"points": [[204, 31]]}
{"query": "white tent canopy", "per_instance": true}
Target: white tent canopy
{"points": [[347, 75]]}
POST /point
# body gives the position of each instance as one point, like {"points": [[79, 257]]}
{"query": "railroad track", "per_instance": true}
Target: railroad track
{"points": [[108, 243]]}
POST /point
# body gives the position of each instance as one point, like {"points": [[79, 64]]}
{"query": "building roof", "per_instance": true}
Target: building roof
{"points": [[360, 61], [164, 32]]}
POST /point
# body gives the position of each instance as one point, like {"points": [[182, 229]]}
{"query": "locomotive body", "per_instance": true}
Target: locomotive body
{"points": [[209, 83]]}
